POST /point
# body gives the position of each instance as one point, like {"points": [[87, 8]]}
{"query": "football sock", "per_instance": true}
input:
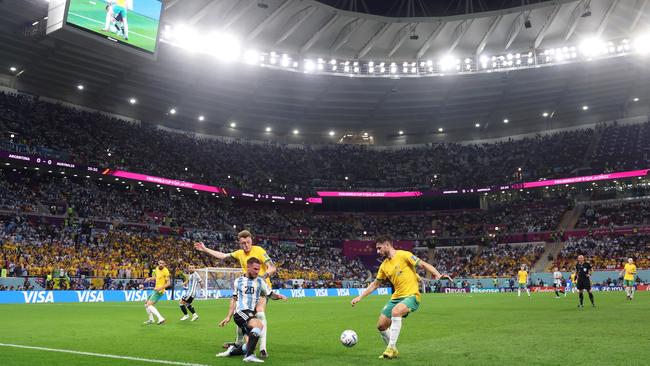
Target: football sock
{"points": [[591, 298], [237, 351], [581, 296], [191, 308], [385, 336], [253, 337], [184, 309], [557, 294], [149, 313], [395, 328], [240, 337], [155, 312], [262, 317]]}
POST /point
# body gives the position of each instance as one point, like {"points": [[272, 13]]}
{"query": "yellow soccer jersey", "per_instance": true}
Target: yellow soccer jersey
{"points": [[400, 271], [257, 252], [162, 277], [630, 271], [523, 276], [121, 3]]}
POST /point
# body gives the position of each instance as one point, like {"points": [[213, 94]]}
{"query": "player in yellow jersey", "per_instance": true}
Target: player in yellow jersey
{"points": [[399, 268], [267, 269], [163, 281], [628, 273], [573, 282], [522, 277]]}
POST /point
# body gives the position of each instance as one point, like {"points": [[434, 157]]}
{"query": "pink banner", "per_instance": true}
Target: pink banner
{"points": [[316, 200], [353, 248], [369, 194], [586, 178], [165, 181]]}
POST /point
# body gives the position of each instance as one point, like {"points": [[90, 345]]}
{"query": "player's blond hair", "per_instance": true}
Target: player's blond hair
{"points": [[244, 234]]}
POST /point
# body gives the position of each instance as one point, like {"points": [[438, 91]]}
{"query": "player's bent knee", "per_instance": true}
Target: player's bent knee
{"points": [[255, 323], [399, 310]]}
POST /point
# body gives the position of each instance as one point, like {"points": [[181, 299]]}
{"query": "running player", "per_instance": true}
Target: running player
{"points": [[557, 283], [522, 277], [628, 280], [163, 281], [583, 271], [248, 290], [399, 268], [192, 283], [267, 269]]}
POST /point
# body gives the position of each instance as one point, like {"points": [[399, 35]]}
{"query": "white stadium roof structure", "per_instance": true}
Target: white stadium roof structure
{"points": [[276, 66]]}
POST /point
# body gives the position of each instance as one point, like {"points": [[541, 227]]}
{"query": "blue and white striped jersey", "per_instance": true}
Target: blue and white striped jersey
{"points": [[248, 292], [193, 284]]}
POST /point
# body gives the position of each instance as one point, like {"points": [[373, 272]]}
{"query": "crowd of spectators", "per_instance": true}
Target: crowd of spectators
{"points": [[99, 140], [40, 250], [504, 260], [635, 213], [605, 253]]}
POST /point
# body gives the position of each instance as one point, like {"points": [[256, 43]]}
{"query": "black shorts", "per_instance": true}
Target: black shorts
{"points": [[584, 284], [242, 317], [187, 299]]}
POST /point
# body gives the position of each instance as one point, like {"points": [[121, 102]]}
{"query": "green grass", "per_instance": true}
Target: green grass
{"points": [[458, 329], [92, 15]]}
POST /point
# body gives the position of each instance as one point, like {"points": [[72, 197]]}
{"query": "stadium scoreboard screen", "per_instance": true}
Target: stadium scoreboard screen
{"points": [[131, 24]]}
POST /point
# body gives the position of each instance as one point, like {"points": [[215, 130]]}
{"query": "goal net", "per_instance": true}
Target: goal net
{"points": [[215, 280]]}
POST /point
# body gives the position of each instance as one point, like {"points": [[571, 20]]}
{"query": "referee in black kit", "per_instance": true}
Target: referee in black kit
{"points": [[583, 270]]}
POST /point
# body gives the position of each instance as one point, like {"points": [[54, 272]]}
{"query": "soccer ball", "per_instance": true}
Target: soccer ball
{"points": [[349, 338]]}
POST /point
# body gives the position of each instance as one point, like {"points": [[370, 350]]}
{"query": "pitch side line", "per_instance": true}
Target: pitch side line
{"points": [[97, 21], [165, 362]]}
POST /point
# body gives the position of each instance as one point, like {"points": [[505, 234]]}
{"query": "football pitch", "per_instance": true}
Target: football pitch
{"points": [[454, 329], [91, 15]]}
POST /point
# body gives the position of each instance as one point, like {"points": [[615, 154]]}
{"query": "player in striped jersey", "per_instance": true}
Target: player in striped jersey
{"points": [[193, 281], [247, 292], [267, 269], [557, 283]]}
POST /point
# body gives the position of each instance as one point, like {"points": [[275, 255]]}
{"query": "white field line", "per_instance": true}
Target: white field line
{"points": [[165, 362]]}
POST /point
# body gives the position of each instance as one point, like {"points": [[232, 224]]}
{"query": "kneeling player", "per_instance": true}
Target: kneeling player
{"points": [[192, 284], [247, 292]]}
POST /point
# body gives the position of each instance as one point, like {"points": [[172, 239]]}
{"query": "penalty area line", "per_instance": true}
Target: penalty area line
{"points": [[117, 357]]}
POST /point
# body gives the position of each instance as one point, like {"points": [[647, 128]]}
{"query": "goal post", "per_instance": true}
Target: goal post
{"points": [[214, 279]]}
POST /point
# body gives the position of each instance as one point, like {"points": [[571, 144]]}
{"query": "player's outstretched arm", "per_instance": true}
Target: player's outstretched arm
{"points": [[231, 311], [372, 287], [215, 253], [433, 271]]}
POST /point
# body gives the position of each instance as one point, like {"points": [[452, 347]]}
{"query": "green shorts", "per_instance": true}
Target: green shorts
{"points": [[522, 285], [410, 301], [155, 296], [628, 283]]}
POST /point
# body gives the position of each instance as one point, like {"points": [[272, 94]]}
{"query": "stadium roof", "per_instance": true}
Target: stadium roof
{"points": [[257, 98]]}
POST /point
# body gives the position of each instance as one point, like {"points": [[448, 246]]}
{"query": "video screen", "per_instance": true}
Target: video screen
{"points": [[131, 22]]}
